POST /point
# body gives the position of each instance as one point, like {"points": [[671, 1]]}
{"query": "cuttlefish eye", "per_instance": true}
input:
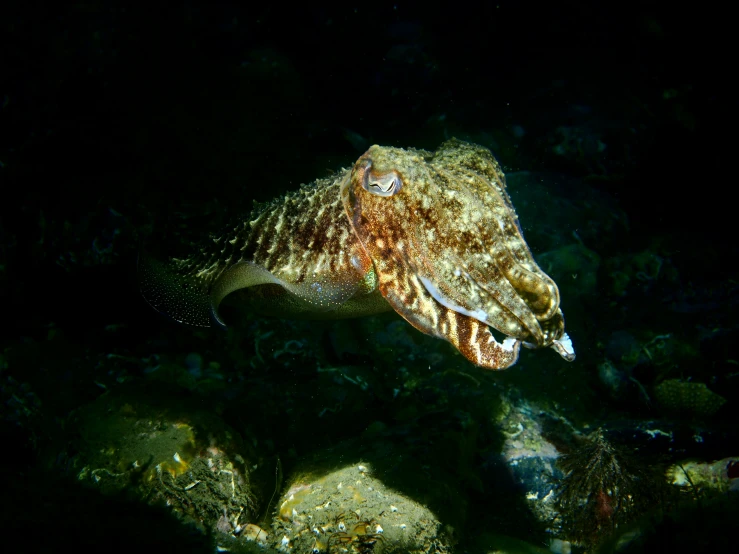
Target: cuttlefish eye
{"points": [[384, 184]]}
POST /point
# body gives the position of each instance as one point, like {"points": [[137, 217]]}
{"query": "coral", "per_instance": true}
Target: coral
{"points": [[603, 488]]}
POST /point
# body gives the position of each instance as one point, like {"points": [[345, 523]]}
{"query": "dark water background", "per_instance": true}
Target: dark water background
{"points": [[123, 125]]}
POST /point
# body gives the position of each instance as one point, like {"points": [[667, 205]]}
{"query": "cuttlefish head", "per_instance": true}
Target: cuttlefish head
{"points": [[449, 253]]}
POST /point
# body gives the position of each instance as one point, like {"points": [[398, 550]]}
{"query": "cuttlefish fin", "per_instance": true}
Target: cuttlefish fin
{"points": [[241, 275], [181, 297], [193, 300], [322, 294], [190, 299]]}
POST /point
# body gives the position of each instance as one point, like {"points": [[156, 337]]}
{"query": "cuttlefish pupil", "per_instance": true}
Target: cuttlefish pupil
{"points": [[448, 255], [381, 184]]}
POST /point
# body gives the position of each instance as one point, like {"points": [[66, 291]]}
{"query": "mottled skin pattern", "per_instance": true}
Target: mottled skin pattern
{"points": [[433, 236]]}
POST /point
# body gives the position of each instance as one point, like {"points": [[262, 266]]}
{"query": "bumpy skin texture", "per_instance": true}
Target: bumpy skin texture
{"points": [[433, 236]]}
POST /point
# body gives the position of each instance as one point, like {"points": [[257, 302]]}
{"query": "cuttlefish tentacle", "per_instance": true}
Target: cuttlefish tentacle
{"points": [[478, 283], [411, 298], [505, 251], [535, 287], [514, 301], [475, 283], [498, 306], [504, 239], [462, 290]]}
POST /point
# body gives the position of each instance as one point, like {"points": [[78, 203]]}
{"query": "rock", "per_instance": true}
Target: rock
{"points": [[352, 509], [159, 449], [719, 476]]}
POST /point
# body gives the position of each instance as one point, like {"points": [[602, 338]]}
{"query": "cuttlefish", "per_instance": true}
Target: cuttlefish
{"points": [[431, 235]]}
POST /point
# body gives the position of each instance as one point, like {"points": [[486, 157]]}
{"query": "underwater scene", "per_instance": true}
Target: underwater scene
{"points": [[386, 278]]}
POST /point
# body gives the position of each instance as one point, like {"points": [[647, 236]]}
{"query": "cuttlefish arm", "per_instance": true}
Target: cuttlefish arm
{"points": [[449, 253], [419, 303]]}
